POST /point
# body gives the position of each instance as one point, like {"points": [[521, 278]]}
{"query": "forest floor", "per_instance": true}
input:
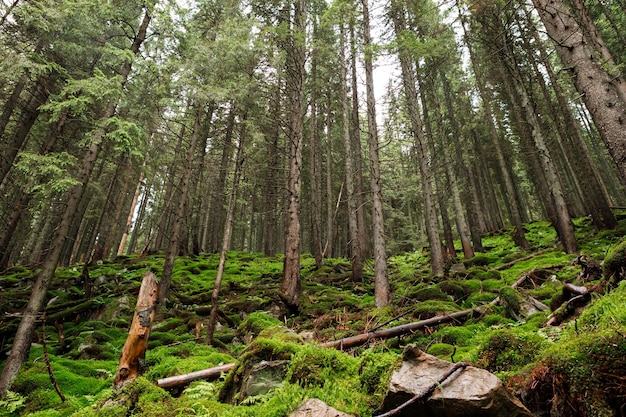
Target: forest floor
{"points": [[574, 369]]}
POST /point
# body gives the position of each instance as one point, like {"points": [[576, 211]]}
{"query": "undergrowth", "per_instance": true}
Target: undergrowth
{"points": [[580, 363]]}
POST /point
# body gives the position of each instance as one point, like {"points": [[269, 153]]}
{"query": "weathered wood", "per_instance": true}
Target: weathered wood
{"points": [[361, 339], [134, 351], [210, 373]]}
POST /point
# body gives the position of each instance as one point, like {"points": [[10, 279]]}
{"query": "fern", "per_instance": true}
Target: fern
{"points": [[12, 402]]}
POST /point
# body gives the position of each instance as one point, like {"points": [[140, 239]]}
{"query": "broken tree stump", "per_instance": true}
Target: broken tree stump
{"points": [[134, 351]]}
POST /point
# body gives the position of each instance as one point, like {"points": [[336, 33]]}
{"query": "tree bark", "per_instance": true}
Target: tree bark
{"points": [[604, 93], [296, 56], [381, 275], [183, 189], [355, 134], [353, 224], [134, 350], [227, 236], [408, 79], [315, 164]]}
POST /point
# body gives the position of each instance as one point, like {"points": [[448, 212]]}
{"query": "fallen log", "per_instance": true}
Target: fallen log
{"points": [[572, 297], [361, 339], [348, 342], [210, 373]]}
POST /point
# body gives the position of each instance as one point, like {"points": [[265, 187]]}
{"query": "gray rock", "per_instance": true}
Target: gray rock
{"points": [[317, 408], [458, 268], [264, 377], [469, 392]]}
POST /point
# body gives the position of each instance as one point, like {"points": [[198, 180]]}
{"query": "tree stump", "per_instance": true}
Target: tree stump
{"points": [[134, 351]]}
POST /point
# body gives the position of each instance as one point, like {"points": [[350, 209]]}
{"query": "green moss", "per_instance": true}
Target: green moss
{"points": [[432, 308], [258, 321], [313, 365], [615, 262], [479, 260], [457, 290], [506, 350], [431, 292], [511, 301], [376, 369]]}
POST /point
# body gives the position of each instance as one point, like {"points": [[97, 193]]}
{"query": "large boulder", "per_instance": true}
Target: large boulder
{"points": [[317, 408], [468, 392]]}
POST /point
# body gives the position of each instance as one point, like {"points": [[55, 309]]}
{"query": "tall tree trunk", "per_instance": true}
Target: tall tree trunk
{"points": [[315, 164], [564, 225], [514, 208], [227, 237], [595, 195], [295, 72], [604, 93], [381, 277], [219, 189], [354, 240], [173, 246], [23, 336], [355, 133], [461, 171], [131, 214], [329, 247], [410, 92]]}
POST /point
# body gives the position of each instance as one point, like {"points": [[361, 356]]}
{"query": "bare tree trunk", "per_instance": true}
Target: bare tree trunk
{"points": [[131, 214], [355, 129], [23, 336], [228, 229], [329, 247], [408, 79], [514, 207], [381, 275], [353, 224], [461, 171], [134, 351], [296, 56], [315, 164], [183, 189]]}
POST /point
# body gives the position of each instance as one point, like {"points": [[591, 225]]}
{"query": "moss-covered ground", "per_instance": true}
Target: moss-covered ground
{"points": [[578, 368]]}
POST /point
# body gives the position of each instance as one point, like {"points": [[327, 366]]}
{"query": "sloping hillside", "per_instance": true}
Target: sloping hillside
{"points": [[577, 368]]}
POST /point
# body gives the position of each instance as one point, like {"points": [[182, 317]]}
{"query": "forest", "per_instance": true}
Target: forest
{"points": [[384, 147]]}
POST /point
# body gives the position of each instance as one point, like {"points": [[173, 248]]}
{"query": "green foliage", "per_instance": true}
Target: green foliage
{"points": [[127, 137], [79, 96], [11, 403], [47, 174]]}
